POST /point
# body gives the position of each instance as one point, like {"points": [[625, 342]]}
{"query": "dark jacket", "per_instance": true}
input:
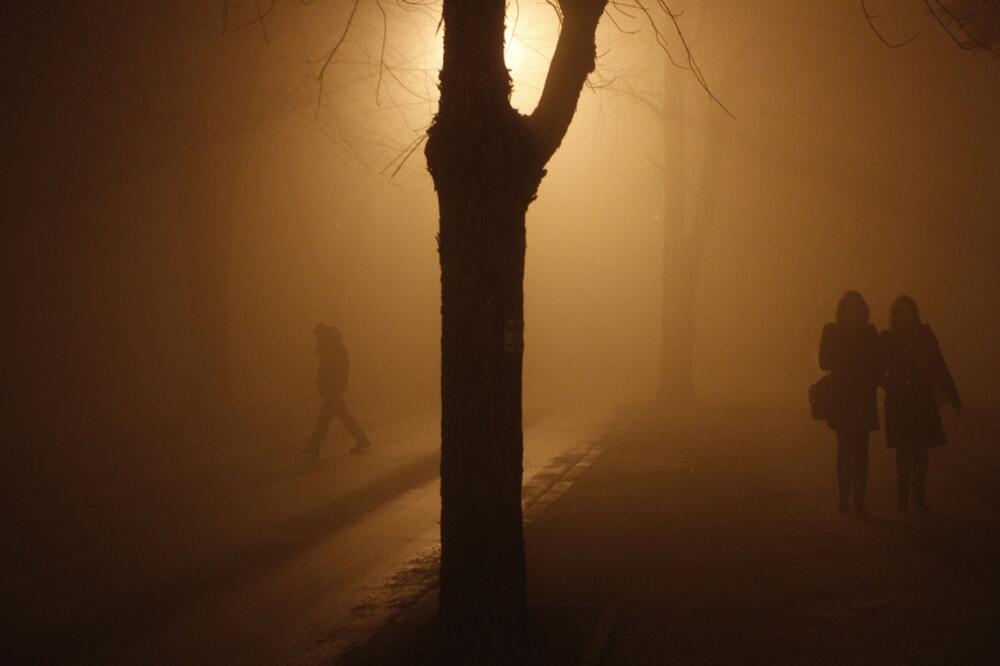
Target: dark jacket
{"points": [[333, 366], [914, 370], [850, 353]]}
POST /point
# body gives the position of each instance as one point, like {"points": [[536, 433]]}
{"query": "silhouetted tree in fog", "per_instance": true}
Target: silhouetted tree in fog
{"points": [[487, 161], [972, 24], [685, 237], [195, 73], [687, 229]]}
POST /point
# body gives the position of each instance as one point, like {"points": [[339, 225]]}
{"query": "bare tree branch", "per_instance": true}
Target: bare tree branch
{"points": [[974, 30], [381, 55], [333, 51], [878, 33], [973, 25], [400, 160], [692, 63], [572, 62]]}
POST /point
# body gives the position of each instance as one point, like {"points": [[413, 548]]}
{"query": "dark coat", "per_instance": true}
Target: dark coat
{"points": [[914, 370], [333, 366], [850, 353]]}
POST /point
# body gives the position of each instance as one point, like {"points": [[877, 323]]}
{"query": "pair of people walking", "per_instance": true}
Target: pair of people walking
{"points": [[905, 360]]}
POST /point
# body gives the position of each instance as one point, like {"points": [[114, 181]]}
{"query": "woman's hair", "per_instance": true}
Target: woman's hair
{"points": [[901, 302], [849, 296]]}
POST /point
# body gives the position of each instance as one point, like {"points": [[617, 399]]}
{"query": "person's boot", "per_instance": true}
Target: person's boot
{"points": [[903, 504], [361, 445], [842, 505]]}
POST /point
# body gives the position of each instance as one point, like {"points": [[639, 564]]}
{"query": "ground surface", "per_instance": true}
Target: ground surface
{"points": [[709, 537], [713, 538], [242, 553]]}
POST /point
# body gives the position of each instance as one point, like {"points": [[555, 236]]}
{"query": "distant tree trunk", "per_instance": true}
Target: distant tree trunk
{"points": [[487, 162], [684, 243], [681, 279], [677, 310]]}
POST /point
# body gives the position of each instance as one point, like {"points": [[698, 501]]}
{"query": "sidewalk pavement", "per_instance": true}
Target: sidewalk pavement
{"points": [[155, 531], [242, 551], [713, 538]]}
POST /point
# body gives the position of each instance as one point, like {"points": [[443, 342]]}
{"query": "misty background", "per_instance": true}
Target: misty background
{"points": [[184, 204]]}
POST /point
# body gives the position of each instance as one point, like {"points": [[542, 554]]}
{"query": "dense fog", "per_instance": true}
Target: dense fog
{"points": [[186, 202], [846, 165]]}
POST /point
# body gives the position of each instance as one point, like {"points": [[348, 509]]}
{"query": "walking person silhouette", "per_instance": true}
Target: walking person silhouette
{"points": [[917, 383], [332, 384], [849, 350]]}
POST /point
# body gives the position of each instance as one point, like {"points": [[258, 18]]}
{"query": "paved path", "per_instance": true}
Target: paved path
{"points": [[265, 558], [715, 539]]}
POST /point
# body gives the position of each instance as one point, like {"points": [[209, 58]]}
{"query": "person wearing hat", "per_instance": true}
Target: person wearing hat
{"points": [[332, 384]]}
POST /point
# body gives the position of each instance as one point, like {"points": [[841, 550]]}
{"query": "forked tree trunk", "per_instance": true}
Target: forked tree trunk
{"points": [[487, 162], [479, 153]]}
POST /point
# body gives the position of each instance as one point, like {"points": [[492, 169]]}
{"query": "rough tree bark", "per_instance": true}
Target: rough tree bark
{"points": [[487, 161]]}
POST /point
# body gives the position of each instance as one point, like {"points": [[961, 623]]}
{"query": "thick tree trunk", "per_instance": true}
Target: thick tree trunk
{"points": [[479, 154], [487, 161], [482, 269]]}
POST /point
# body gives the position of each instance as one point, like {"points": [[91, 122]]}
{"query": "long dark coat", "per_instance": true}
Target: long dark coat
{"points": [[914, 371], [851, 354]]}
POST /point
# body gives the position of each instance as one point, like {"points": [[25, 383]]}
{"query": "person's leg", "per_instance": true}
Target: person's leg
{"points": [[350, 424], [904, 468], [859, 472], [843, 470], [322, 425], [920, 479]]}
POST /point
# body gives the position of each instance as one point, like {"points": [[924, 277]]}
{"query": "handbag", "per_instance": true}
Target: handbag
{"points": [[821, 398]]}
